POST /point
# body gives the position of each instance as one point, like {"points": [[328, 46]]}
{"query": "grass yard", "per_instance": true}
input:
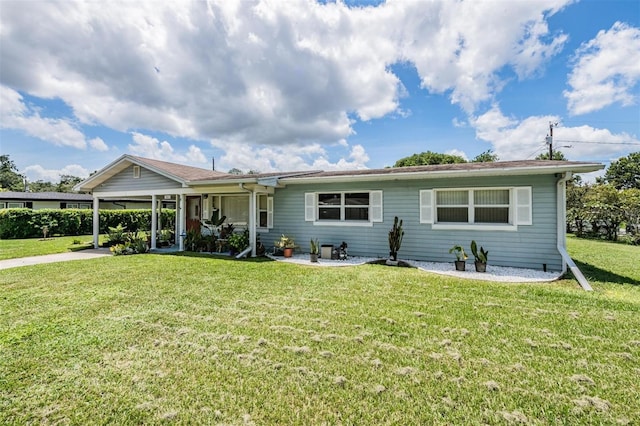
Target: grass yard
{"points": [[12, 249], [152, 339]]}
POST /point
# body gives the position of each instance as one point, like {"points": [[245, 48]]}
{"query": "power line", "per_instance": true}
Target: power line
{"points": [[535, 152], [599, 142]]}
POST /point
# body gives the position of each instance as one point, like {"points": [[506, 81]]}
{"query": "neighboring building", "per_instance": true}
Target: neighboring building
{"points": [[45, 200], [69, 200], [514, 209]]}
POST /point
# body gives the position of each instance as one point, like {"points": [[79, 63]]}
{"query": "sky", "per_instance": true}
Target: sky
{"points": [[282, 85]]}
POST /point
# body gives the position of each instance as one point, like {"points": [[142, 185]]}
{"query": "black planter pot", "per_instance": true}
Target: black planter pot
{"points": [[393, 255], [481, 267], [460, 265], [313, 257]]}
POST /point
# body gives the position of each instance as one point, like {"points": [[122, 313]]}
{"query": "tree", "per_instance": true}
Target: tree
{"points": [[428, 158], [235, 171], [42, 186], [604, 210], [576, 212], [10, 179], [630, 202], [67, 182], [486, 157], [625, 172], [557, 155]]}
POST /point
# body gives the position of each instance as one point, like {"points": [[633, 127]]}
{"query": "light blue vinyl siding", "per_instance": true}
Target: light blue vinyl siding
{"points": [[530, 246], [148, 180]]}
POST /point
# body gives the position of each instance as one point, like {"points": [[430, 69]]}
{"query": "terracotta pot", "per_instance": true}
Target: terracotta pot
{"points": [[288, 252]]}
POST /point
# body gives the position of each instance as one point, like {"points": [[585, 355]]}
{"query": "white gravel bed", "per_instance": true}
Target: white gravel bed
{"points": [[494, 273], [303, 259]]}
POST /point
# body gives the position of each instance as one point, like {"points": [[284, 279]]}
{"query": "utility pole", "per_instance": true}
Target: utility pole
{"points": [[550, 139]]}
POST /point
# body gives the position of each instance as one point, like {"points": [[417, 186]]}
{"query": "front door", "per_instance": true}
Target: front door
{"points": [[194, 210]]}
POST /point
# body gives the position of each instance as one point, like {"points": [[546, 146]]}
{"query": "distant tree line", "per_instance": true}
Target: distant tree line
{"points": [[429, 158], [12, 180]]}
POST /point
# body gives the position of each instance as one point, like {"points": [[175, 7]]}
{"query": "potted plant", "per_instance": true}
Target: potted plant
{"points": [[287, 244], [480, 257], [395, 239], [314, 250], [461, 256]]}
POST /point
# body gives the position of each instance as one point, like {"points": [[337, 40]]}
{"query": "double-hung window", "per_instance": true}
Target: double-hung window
{"points": [[346, 208], [264, 211], [481, 208]]}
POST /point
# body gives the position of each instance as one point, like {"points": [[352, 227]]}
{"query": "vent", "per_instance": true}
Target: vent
{"points": [[136, 172]]}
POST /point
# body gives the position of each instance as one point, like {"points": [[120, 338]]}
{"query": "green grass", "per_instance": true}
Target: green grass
{"points": [[180, 339], [12, 249]]}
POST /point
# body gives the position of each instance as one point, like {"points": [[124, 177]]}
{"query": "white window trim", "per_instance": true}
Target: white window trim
{"points": [[428, 211], [269, 211], [375, 210], [136, 172], [15, 205]]}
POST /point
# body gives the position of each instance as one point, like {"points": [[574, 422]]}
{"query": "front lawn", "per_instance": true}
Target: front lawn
{"points": [[188, 340], [12, 249]]}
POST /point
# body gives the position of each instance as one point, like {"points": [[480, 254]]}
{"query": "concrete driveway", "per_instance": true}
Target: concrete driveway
{"points": [[51, 258]]}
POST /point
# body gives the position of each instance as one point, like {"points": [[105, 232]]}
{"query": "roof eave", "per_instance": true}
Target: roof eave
{"points": [[435, 174]]}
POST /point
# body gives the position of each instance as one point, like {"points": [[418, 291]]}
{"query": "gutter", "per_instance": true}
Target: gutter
{"points": [[561, 237]]}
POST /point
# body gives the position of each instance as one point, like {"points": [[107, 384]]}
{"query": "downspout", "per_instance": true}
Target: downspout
{"points": [[561, 202], [252, 222]]}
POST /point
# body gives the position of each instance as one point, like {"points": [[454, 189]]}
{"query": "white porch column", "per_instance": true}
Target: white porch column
{"points": [[176, 221], [96, 222], [183, 219], [252, 222], [154, 221]]}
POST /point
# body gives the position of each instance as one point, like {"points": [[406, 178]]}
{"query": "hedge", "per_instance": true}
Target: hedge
{"points": [[27, 223]]}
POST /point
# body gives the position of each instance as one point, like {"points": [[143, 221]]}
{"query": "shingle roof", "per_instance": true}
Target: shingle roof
{"points": [[452, 167], [187, 173], [45, 196]]}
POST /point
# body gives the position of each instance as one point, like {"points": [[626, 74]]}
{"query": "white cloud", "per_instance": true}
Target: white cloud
{"points": [[37, 172], [458, 152], [98, 144], [263, 72], [268, 158], [460, 47], [15, 114], [150, 147], [607, 68], [515, 139]]}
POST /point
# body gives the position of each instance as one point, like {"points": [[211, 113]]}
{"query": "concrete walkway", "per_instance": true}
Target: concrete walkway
{"points": [[51, 258]]}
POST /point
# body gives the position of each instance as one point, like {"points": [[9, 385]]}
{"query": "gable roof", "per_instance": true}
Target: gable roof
{"points": [[185, 175]]}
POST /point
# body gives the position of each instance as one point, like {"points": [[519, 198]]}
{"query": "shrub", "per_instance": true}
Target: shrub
{"points": [[27, 223]]}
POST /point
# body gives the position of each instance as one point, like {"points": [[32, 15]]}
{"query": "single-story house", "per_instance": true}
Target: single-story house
{"points": [[514, 209], [69, 200], [45, 200]]}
